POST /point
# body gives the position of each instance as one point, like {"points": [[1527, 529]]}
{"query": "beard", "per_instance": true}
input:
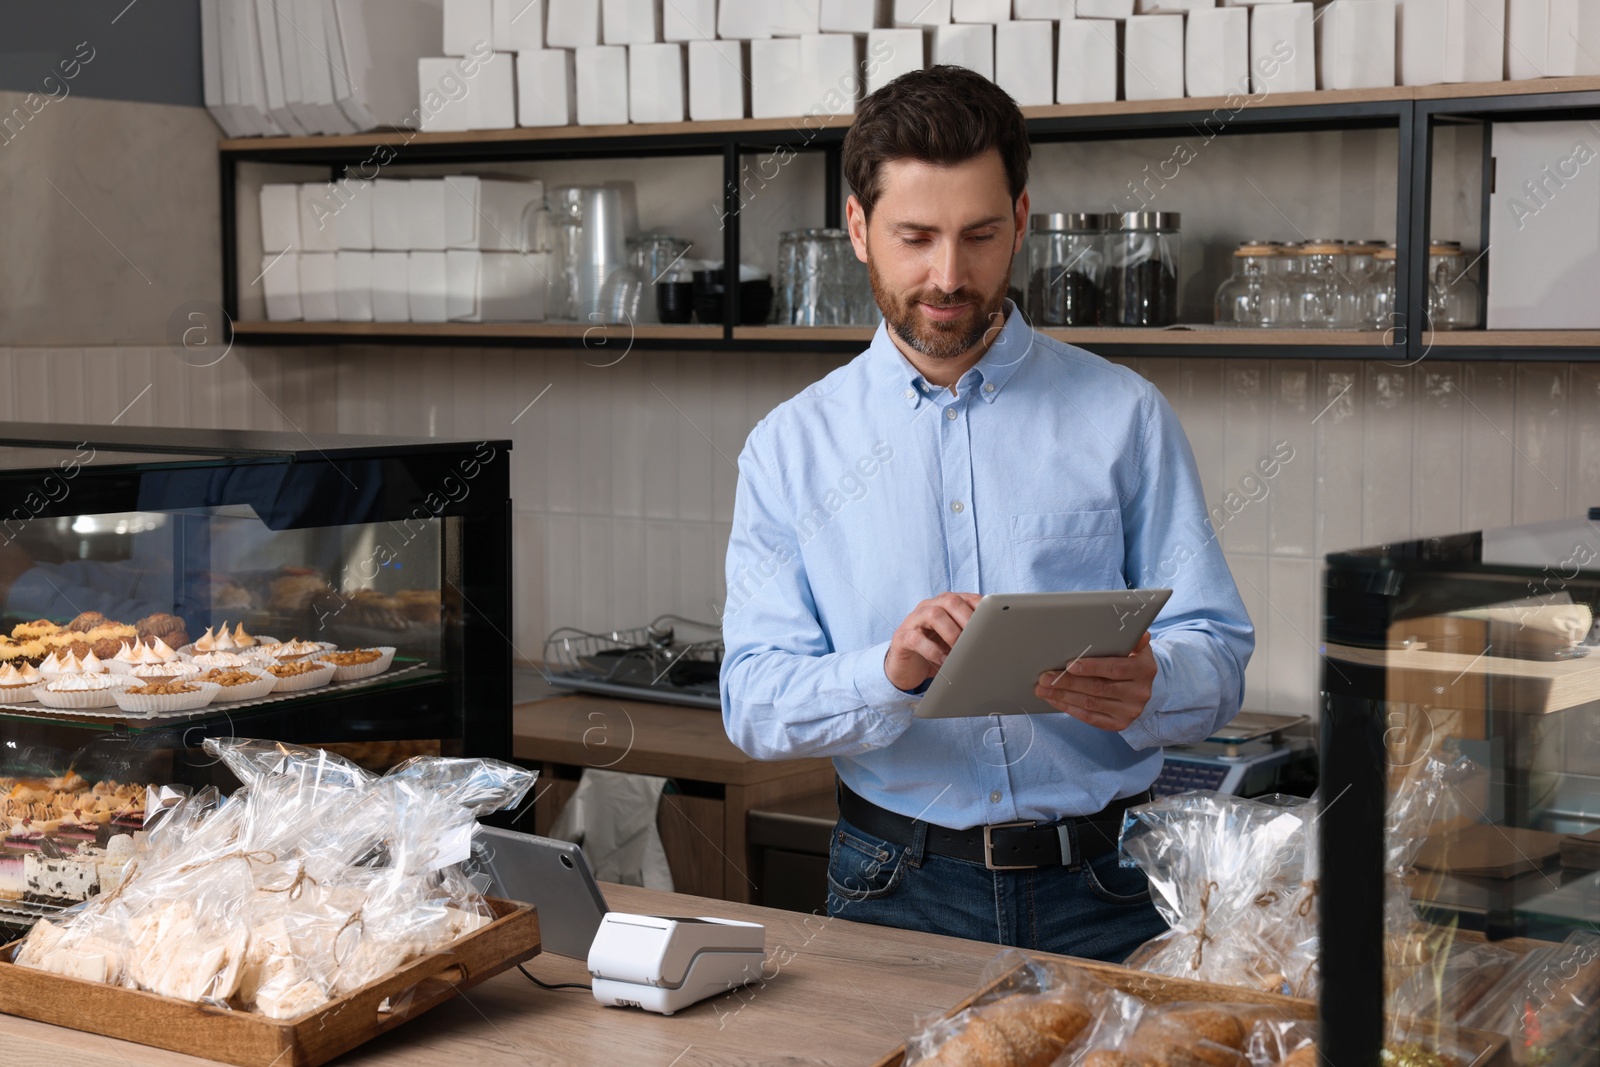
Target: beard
{"points": [[939, 340]]}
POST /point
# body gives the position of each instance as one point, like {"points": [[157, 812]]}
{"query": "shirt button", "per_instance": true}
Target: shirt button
{"points": [[911, 394], [988, 387], [994, 798], [956, 506], [950, 413]]}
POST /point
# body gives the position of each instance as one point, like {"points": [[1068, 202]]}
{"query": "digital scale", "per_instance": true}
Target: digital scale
{"points": [[1241, 759]]}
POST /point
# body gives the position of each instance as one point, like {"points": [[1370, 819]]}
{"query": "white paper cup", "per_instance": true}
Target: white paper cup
{"points": [[248, 690], [363, 670], [169, 672], [190, 650], [159, 703], [17, 694], [79, 699], [310, 680], [319, 648]]}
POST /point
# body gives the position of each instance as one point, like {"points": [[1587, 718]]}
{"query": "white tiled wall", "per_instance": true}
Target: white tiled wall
{"points": [[624, 474]]}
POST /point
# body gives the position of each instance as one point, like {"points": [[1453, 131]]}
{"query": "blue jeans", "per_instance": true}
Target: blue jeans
{"points": [[1099, 911]]}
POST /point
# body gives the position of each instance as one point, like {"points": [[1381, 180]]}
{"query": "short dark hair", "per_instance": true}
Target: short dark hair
{"points": [[943, 115]]}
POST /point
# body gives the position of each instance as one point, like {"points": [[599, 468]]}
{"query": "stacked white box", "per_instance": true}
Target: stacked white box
{"points": [[602, 85], [853, 16], [572, 23], [921, 12], [793, 18], [391, 200], [425, 213], [630, 21], [427, 287], [1099, 9], [1152, 64], [1574, 37], [656, 83], [965, 45], [496, 286], [354, 199], [448, 101], [830, 72], [1216, 58], [1088, 62], [991, 11], [775, 79], [743, 20], [1028, 10], [1172, 7], [547, 91], [518, 25], [1355, 45], [494, 94], [280, 217], [280, 284], [689, 20], [716, 80], [319, 287], [1283, 48], [1448, 41], [319, 215], [467, 24], [891, 53], [353, 281], [391, 286], [1024, 61], [486, 215]]}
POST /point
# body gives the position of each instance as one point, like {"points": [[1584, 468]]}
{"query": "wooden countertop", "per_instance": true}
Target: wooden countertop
{"points": [[641, 738], [835, 992]]}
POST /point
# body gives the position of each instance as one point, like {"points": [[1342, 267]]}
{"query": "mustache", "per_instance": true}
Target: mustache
{"points": [[960, 296]]}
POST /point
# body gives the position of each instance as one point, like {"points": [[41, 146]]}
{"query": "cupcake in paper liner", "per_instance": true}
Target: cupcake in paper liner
{"points": [[79, 691], [300, 674], [157, 698], [140, 654], [358, 663], [239, 683], [228, 660], [17, 683]]}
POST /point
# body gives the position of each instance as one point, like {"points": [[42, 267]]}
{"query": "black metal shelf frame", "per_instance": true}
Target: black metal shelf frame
{"points": [[1413, 120]]}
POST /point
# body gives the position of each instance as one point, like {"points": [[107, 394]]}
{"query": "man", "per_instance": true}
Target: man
{"points": [[963, 454]]}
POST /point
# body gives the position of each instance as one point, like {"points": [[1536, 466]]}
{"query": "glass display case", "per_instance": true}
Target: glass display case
{"points": [[1460, 755], [155, 556]]}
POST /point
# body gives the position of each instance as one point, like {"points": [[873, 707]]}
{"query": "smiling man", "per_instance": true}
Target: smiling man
{"points": [[962, 454]]}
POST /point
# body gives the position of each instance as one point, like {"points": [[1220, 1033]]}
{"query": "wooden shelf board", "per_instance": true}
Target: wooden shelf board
{"points": [[804, 333], [469, 330], [1512, 338], [1090, 335], [1474, 682], [806, 124]]}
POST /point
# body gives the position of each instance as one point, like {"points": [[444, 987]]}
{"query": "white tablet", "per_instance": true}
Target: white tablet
{"points": [[1012, 638]]}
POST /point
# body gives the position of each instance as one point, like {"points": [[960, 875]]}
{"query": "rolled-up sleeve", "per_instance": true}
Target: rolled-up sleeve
{"points": [[786, 693], [1203, 638]]}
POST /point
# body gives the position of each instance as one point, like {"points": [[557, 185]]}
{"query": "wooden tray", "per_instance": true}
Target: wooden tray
{"points": [[252, 1040], [1490, 1049]]}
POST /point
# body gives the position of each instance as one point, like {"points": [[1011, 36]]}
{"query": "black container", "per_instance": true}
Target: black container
{"points": [[675, 302], [755, 299]]}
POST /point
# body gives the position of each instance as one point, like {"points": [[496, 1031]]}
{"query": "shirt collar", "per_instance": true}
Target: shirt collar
{"points": [[987, 378]]}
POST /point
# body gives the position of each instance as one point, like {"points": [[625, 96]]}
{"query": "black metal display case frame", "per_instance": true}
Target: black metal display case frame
{"points": [[334, 480], [1366, 592]]}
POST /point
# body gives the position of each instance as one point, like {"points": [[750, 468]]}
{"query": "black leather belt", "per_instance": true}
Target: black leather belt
{"points": [[1002, 846]]}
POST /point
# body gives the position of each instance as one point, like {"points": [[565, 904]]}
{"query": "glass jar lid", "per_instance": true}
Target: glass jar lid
{"points": [[1057, 221], [1144, 220], [1385, 253], [1322, 248], [1254, 248], [1445, 248]]}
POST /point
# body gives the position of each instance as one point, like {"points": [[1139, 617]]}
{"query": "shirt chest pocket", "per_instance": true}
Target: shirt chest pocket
{"points": [[1060, 551]]}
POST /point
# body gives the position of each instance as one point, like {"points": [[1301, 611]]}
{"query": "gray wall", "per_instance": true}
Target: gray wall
{"points": [[144, 50]]}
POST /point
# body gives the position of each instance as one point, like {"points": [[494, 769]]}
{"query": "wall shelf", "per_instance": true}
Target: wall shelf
{"points": [[1413, 112]]}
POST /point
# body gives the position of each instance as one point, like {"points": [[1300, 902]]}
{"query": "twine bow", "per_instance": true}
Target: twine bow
{"points": [[1308, 901], [1201, 936]]}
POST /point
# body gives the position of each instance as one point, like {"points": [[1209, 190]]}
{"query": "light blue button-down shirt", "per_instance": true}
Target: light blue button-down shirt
{"points": [[1049, 469]]}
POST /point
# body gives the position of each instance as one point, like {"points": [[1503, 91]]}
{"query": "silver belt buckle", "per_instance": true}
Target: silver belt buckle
{"points": [[988, 847]]}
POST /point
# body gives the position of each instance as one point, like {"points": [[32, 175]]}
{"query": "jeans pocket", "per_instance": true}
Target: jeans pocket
{"points": [[1115, 884], [862, 867]]}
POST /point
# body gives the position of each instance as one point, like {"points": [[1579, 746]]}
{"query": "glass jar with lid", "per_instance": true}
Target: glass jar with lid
{"points": [[1065, 264], [1255, 294], [1319, 290], [1360, 261], [1378, 309], [1142, 269], [1452, 296]]}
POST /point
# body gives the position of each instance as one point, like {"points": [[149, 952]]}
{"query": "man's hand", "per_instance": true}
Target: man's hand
{"points": [[1107, 692], [921, 643]]}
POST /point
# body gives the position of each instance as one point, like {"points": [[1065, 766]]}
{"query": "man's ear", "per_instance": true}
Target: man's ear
{"points": [[1020, 211], [856, 223]]}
